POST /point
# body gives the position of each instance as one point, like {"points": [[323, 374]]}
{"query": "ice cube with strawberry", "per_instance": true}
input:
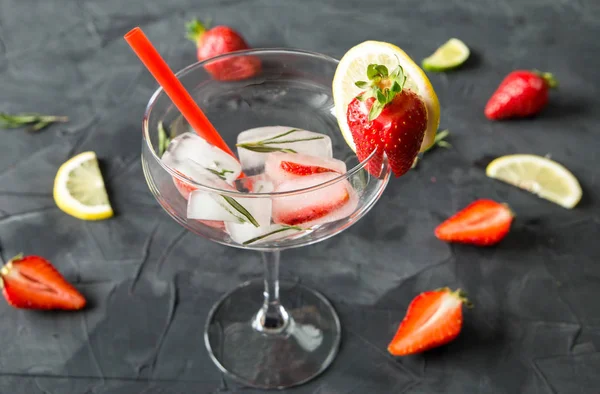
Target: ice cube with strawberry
{"points": [[191, 156], [323, 205]]}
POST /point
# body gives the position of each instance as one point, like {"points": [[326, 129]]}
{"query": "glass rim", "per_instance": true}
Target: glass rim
{"points": [[181, 177]]}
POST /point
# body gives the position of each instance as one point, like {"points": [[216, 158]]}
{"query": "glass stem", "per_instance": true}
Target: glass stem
{"points": [[272, 317]]}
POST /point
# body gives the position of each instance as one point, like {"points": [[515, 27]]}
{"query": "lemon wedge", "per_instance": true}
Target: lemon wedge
{"points": [[79, 188], [450, 55], [538, 175], [353, 68]]}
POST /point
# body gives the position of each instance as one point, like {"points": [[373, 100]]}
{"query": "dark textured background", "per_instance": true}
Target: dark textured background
{"points": [[536, 324]]}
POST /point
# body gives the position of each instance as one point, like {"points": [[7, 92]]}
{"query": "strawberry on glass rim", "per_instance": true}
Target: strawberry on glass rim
{"points": [[378, 78]]}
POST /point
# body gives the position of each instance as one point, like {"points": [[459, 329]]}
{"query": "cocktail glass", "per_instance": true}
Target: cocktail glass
{"points": [[265, 333]]}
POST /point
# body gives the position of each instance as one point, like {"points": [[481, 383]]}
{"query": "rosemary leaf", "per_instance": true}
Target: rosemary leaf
{"points": [[264, 149], [163, 139], [240, 208], [35, 121], [290, 141], [280, 135], [220, 174], [279, 230]]}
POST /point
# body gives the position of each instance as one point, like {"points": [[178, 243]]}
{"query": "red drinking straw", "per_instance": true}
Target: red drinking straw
{"points": [[165, 77]]}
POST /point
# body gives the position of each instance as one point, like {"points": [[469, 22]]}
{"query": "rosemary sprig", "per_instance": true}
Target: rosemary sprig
{"points": [[264, 149], [220, 174], [35, 121], [440, 140], [163, 139], [279, 230], [240, 208], [259, 146]]}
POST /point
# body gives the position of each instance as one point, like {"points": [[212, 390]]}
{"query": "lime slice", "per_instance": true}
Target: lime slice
{"points": [[538, 175], [79, 188], [353, 67], [450, 55]]}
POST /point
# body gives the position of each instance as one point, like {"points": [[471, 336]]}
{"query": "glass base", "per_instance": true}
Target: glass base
{"points": [[272, 359]]}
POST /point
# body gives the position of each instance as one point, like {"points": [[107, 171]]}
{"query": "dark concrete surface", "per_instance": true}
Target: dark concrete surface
{"points": [[535, 327]]}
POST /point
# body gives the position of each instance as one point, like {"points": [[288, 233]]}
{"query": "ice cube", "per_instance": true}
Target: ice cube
{"points": [[253, 144], [254, 184], [285, 166], [245, 233], [323, 205], [200, 175], [212, 206], [192, 156]]}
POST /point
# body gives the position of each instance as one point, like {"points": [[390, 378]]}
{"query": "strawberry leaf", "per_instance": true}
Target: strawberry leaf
{"points": [[382, 70], [372, 71], [361, 84]]}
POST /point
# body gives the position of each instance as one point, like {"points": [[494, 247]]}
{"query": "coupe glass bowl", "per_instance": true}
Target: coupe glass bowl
{"points": [[265, 333]]}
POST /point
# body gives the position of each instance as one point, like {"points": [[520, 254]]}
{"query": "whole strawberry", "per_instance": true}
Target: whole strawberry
{"points": [[220, 40], [388, 118], [521, 94]]}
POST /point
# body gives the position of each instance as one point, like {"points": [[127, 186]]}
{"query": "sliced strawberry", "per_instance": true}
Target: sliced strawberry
{"points": [[302, 170], [483, 223], [433, 318], [183, 188], [32, 282], [311, 213]]}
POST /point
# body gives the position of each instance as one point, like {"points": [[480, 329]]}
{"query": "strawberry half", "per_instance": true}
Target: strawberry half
{"points": [[218, 41], [483, 223], [388, 118], [31, 282], [433, 318], [302, 170], [521, 94]]}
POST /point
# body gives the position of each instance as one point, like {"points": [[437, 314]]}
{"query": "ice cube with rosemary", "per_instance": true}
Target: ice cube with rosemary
{"points": [[253, 145], [191, 155], [247, 234], [204, 205]]}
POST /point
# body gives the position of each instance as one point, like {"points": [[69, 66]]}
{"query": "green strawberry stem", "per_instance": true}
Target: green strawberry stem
{"points": [[551, 82], [195, 29], [382, 85]]}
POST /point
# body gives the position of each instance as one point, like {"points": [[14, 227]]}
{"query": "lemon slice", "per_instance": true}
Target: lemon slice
{"points": [[450, 55], [79, 188], [538, 175], [353, 67]]}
